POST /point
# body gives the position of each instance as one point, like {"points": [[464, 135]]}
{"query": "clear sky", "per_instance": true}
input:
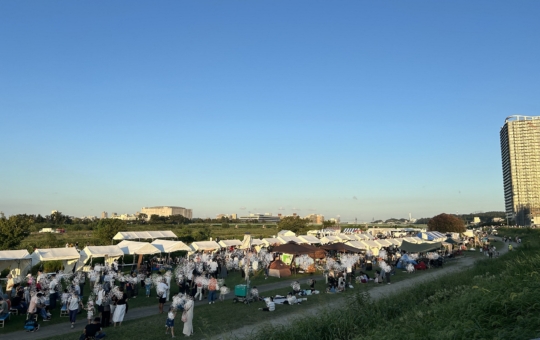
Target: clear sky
{"points": [[364, 109]]}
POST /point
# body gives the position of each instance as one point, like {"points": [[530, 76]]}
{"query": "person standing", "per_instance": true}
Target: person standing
{"points": [[120, 310], [82, 281], [187, 317], [53, 295], [170, 321], [73, 308], [9, 286], [212, 290]]}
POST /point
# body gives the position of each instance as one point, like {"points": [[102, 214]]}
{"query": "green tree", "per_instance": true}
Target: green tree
{"points": [[13, 231], [294, 224], [107, 228], [446, 223], [328, 224]]}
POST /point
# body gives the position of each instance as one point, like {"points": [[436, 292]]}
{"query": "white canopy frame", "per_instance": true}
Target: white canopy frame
{"points": [[110, 253], [144, 235], [19, 262], [69, 256]]}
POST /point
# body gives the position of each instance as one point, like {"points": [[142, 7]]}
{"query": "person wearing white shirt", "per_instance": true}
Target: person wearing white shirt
{"points": [[73, 308], [270, 305], [168, 282], [53, 295], [162, 293]]}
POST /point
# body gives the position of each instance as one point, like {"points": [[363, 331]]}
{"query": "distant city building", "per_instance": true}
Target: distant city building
{"points": [[520, 151], [316, 219], [476, 220], [124, 217], [167, 211], [231, 216], [104, 215], [261, 218]]}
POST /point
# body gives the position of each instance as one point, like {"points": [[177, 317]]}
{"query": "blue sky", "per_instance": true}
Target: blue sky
{"points": [[355, 108]]}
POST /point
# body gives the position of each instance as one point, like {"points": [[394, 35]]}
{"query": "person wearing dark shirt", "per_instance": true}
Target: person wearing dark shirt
{"points": [[93, 330]]}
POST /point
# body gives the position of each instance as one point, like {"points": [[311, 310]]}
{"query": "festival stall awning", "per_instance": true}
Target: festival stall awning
{"points": [[329, 239], [271, 241], [361, 237], [395, 241], [69, 256], [292, 248], [230, 243], [309, 239], [18, 261], [345, 238], [419, 248], [357, 244], [383, 242], [89, 252], [413, 239], [139, 248], [286, 239], [286, 233], [144, 235], [341, 247], [167, 246], [371, 244], [256, 242], [432, 236], [204, 245]]}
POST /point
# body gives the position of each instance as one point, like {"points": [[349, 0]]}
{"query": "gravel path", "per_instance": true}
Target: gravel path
{"points": [[376, 293]]}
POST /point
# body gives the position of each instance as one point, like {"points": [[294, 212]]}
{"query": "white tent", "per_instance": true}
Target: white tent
{"points": [[166, 246], [70, 256], [413, 239], [144, 235], [309, 239], [330, 239], [371, 244], [345, 237], [361, 237], [383, 242], [357, 244], [19, 262], [395, 241], [90, 252], [139, 248], [287, 239], [271, 241], [204, 245], [230, 243], [256, 242], [286, 233]]}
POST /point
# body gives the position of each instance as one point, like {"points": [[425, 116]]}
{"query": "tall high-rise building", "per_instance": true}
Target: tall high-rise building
{"points": [[520, 149], [104, 214]]}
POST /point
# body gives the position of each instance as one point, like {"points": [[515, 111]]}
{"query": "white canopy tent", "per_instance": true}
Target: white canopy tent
{"points": [[137, 248], [204, 245], [413, 239], [256, 242], [167, 246], [361, 237], [230, 243], [69, 256], [19, 262], [90, 252], [330, 239], [357, 244], [383, 242], [395, 241], [271, 241], [287, 239], [144, 235], [309, 239], [345, 237]]}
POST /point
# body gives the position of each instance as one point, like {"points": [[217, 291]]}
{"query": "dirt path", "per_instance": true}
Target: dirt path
{"points": [[376, 292]]}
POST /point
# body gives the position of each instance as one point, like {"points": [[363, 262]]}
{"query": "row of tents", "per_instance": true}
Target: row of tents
{"points": [[20, 261]]}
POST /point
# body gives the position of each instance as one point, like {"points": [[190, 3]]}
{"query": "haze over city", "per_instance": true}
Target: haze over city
{"points": [[352, 109]]}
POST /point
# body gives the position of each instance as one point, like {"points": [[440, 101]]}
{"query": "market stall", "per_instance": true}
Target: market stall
{"points": [[19, 262], [69, 257], [110, 253]]}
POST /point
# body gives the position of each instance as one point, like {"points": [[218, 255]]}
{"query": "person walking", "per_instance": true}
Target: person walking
{"points": [[73, 308]]}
